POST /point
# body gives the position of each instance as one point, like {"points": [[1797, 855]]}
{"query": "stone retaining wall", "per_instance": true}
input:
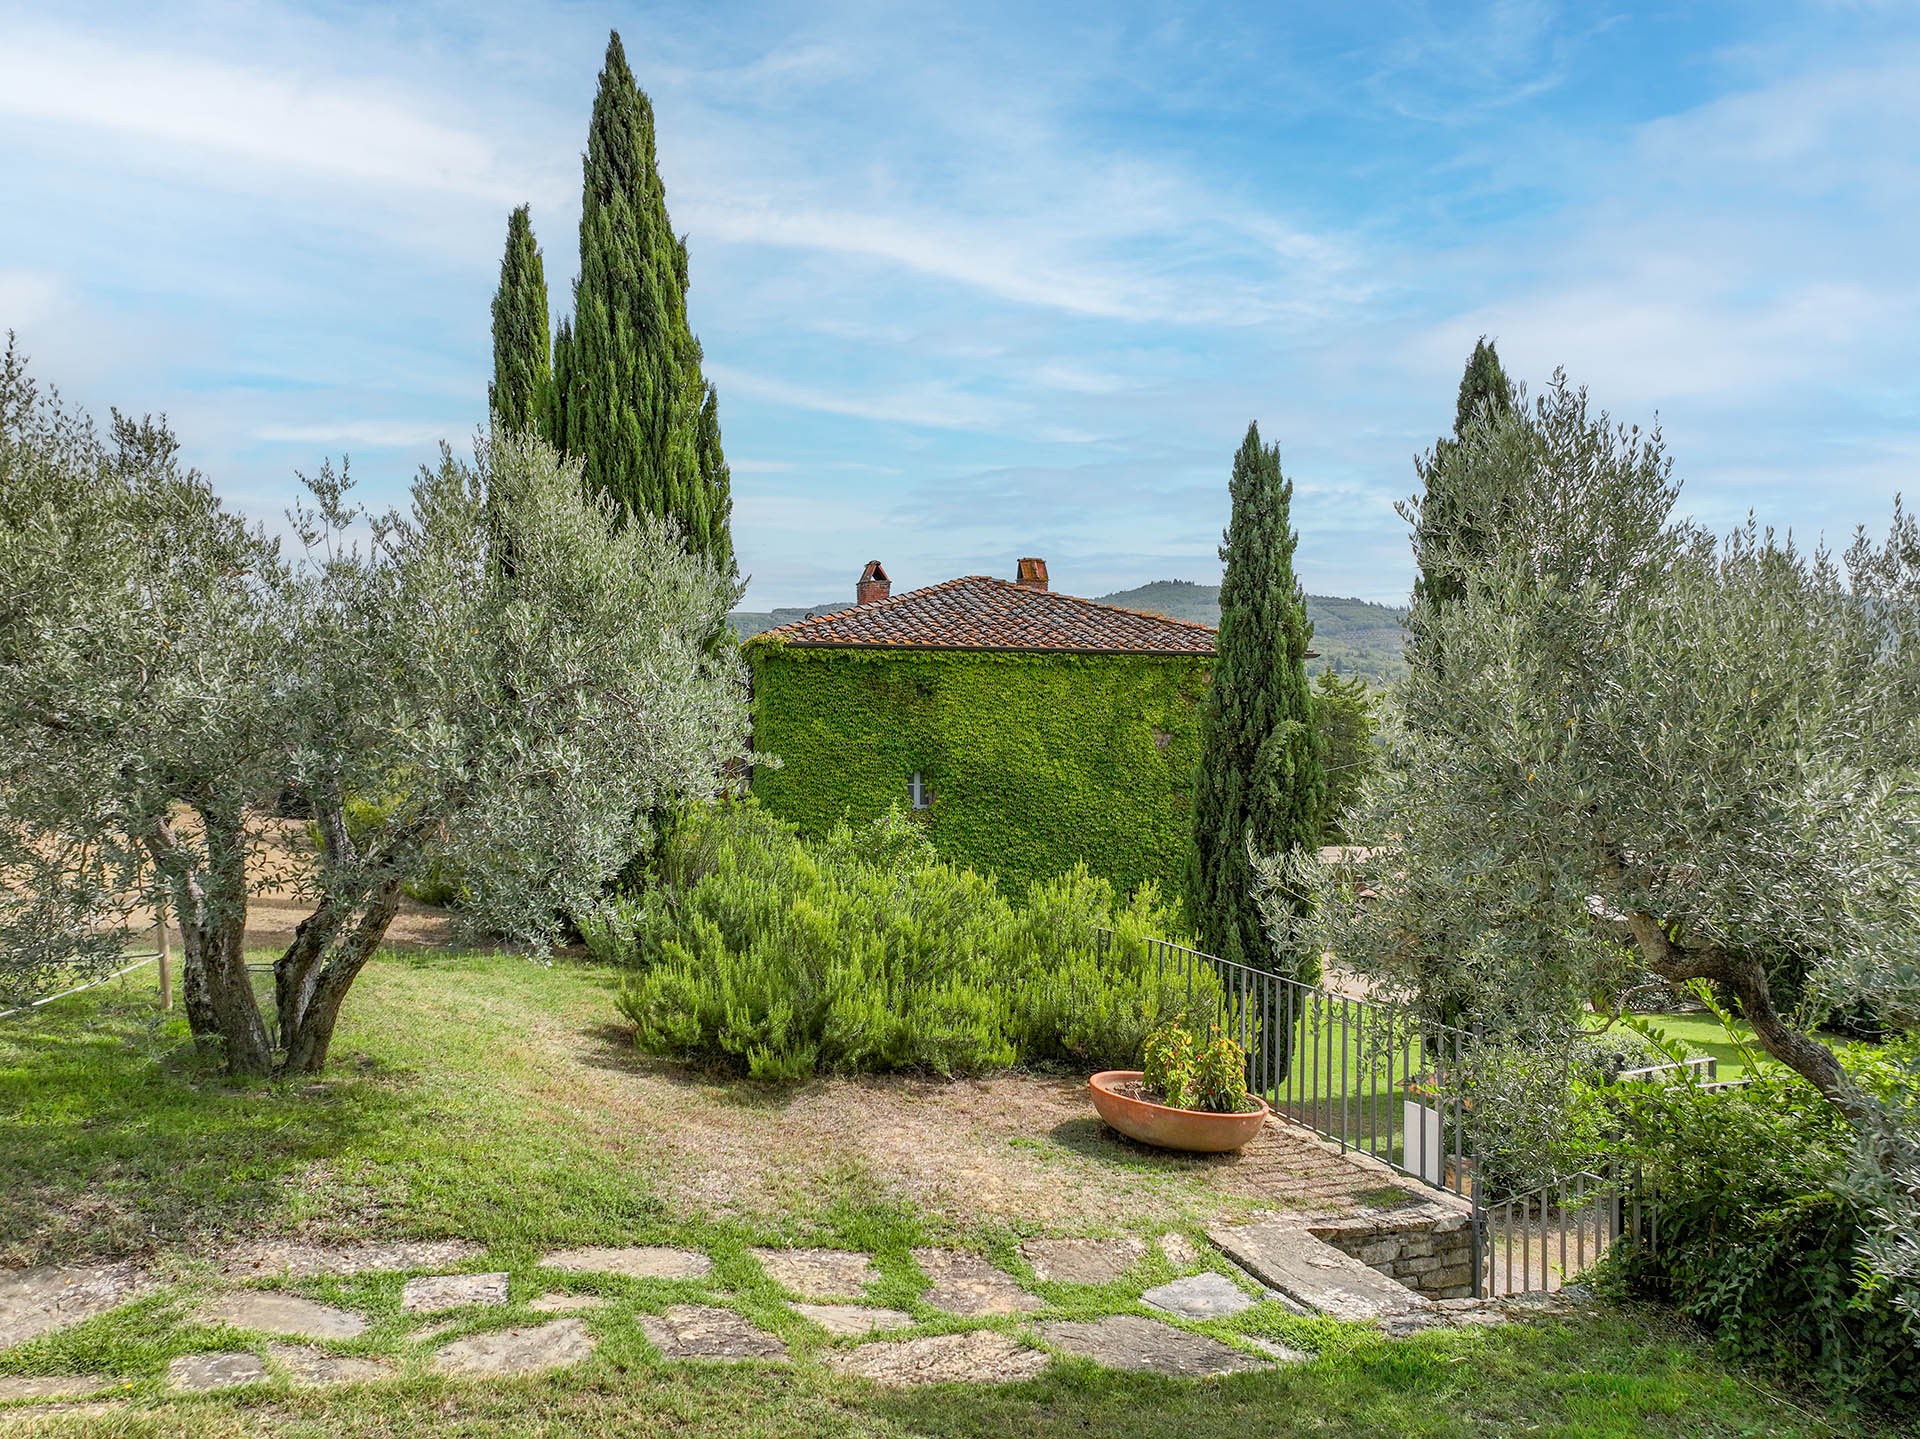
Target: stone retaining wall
{"points": [[1427, 1246]]}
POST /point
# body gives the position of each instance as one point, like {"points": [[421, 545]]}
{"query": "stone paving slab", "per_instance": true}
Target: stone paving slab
{"points": [[705, 1331], [51, 1386], [1082, 1261], [566, 1303], [288, 1314], [197, 1373], [13, 1420], [967, 1284], [817, 1273], [844, 1319], [434, 1293], [1127, 1341], [1278, 1350], [1200, 1296], [527, 1349], [268, 1260], [37, 1301], [308, 1365], [1315, 1274], [635, 1262], [979, 1356], [1181, 1251]]}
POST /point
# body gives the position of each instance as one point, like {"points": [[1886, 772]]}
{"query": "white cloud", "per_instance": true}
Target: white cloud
{"points": [[377, 434], [931, 405], [308, 121]]}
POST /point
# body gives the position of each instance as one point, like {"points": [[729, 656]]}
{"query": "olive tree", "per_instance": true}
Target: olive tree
{"points": [[1651, 756], [167, 675]]}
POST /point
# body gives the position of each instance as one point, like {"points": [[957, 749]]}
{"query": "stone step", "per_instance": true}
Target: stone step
{"points": [[1287, 1258]]}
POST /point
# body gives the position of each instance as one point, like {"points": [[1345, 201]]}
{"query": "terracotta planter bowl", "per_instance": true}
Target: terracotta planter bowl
{"points": [[1195, 1130]]}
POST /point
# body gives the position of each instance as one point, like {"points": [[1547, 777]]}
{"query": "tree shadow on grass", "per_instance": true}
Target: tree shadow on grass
{"points": [[610, 1047], [118, 1138]]}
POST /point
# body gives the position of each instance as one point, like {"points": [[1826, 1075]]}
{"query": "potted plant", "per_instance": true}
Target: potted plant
{"points": [[1190, 1096]]}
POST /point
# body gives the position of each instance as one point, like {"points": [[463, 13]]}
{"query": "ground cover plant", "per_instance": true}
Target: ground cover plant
{"points": [[480, 1097], [867, 953]]}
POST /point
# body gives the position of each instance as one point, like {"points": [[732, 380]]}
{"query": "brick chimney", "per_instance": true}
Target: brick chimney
{"points": [[874, 584], [1033, 574]]}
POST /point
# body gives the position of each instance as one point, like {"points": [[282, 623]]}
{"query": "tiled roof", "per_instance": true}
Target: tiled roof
{"points": [[979, 612]]}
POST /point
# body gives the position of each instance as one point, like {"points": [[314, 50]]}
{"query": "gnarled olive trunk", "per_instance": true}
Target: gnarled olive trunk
{"points": [[319, 968], [209, 892], [1746, 976]]}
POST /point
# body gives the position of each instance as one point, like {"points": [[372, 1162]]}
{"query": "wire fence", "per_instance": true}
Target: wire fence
{"points": [[34, 1004]]}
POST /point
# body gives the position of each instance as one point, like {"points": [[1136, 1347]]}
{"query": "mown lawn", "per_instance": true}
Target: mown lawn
{"points": [[459, 1106]]}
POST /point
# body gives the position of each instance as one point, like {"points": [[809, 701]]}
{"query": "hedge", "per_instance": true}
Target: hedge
{"points": [[1036, 762]]}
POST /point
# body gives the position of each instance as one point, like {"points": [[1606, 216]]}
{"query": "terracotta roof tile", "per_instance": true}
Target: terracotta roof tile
{"points": [[979, 612]]}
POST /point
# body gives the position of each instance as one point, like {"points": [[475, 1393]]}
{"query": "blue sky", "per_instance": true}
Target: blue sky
{"points": [[990, 280]]}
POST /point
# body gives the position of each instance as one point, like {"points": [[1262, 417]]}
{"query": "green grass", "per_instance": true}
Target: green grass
{"points": [[1702, 1034], [441, 1118]]}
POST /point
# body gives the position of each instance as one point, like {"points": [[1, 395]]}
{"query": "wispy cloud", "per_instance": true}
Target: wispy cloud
{"points": [[930, 406], [313, 121], [376, 434]]}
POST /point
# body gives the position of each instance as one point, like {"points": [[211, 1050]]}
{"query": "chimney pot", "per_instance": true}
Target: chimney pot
{"points": [[1033, 574], [874, 584]]}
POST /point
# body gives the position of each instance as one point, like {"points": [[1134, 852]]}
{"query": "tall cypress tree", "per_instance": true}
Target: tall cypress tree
{"points": [[634, 405], [522, 393], [1260, 786], [1443, 522], [1486, 395]]}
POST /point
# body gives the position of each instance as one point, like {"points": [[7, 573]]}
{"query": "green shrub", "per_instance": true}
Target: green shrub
{"points": [[865, 953], [1167, 1066], [1758, 1238], [1183, 1073], [1600, 1058]]}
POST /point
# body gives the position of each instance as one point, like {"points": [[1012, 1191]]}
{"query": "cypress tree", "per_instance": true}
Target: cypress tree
{"points": [[1260, 786], [522, 393], [1443, 522], [1486, 395], [634, 405]]}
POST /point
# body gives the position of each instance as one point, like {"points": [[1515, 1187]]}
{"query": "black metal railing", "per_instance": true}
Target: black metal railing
{"points": [[1376, 1076], [1370, 1075]]}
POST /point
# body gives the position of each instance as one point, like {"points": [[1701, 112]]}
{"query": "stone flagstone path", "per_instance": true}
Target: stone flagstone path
{"points": [[705, 1331], [52, 1386], [307, 1365], [643, 1262], [844, 1319], [289, 1314], [194, 1373], [37, 1301], [817, 1273], [979, 1356], [1200, 1296], [1299, 1266], [1127, 1341], [311, 1261], [436, 1293], [967, 1284], [1083, 1261], [527, 1349], [566, 1303]]}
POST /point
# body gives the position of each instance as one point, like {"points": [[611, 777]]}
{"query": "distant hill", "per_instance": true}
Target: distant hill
{"points": [[1353, 636], [748, 623]]}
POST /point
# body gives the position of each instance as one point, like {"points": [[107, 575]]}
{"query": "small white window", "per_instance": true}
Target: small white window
{"points": [[917, 790]]}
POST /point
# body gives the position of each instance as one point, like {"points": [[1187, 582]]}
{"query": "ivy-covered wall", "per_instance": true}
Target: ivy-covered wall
{"points": [[1034, 761]]}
